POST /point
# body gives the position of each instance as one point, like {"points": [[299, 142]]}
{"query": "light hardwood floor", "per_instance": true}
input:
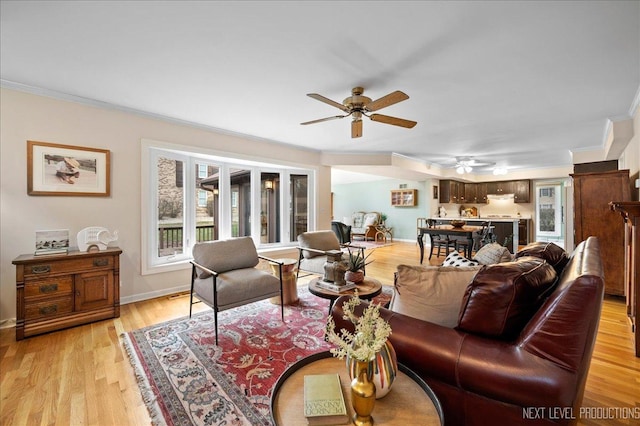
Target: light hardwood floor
{"points": [[81, 376]]}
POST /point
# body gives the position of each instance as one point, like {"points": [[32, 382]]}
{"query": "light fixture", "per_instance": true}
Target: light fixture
{"points": [[268, 185], [464, 168], [215, 191]]}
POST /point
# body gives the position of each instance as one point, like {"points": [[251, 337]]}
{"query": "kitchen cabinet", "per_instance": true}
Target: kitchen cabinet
{"points": [[450, 191], [500, 188], [521, 191], [523, 231], [592, 217], [481, 189], [503, 232], [470, 193], [59, 291]]}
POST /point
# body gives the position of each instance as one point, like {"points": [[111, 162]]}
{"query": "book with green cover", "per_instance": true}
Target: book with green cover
{"points": [[324, 401]]}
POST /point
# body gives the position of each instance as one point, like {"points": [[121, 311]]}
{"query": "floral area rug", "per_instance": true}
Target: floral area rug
{"points": [[185, 379]]}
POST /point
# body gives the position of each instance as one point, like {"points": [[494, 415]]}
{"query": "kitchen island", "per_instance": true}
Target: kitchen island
{"points": [[506, 227]]}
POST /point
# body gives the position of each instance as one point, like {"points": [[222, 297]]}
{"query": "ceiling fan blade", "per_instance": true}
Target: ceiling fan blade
{"points": [[356, 128], [320, 120], [328, 101], [393, 120], [385, 101]]}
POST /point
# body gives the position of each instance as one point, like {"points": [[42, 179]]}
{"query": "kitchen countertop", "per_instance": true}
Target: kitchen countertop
{"points": [[483, 218]]}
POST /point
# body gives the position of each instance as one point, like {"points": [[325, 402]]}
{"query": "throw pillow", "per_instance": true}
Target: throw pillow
{"points": [[502, 298], [431, 293], [456, 259], [493, 253], [551, 252]]}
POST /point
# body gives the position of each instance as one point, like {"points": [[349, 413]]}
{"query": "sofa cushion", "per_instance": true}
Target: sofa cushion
{"points": [[456, 259], [225, 255], [503, 297], [431, 293], [319, 240], [493, 253], [552, 253]]}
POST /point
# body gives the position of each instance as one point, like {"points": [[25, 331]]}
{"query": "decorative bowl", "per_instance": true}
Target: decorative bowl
{"points": [[456, 223]]}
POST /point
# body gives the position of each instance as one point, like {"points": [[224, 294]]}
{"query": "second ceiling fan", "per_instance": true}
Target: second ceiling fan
{"points": [[358, 105]]}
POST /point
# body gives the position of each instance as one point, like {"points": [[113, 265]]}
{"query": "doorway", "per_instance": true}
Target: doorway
{"points": [[550, 212]]}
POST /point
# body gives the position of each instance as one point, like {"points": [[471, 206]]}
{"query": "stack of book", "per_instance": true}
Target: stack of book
{"points": [[327, 285], [324, 401]]}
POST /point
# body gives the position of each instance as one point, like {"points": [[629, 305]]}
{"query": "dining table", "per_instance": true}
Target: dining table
{"points": [[447, 230]]}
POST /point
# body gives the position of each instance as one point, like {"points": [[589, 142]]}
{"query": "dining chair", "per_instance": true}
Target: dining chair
{"points": [[224, 276], [440, 241]]}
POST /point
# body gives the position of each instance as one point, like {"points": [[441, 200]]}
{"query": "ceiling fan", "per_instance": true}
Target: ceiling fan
{"points": [[466, 164], [358, 105]]}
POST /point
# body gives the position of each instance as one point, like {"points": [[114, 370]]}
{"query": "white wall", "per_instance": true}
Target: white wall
{"points": [[30, 117], [630, 158]]}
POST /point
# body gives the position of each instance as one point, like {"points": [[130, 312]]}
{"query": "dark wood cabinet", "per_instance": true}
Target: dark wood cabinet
{"points": [[481, 189], [523, 231], [521, 191], [630, 212], [470, 193], [593, 217], [500, 187], [450, 191], [60, 291]]}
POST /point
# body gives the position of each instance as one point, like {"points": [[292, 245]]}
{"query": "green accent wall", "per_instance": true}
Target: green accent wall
{"points": [[376, 196]]}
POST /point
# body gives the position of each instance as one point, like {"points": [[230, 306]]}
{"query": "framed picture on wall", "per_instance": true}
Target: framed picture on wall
{"points": [[435, 192], [54, 169]]}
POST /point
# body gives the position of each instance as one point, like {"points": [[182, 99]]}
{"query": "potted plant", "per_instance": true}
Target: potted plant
{"points": [[383, 219], [355, 266]]}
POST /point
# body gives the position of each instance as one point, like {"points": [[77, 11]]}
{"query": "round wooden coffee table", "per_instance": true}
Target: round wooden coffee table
{"points": [[367, 290], [410, 400]]}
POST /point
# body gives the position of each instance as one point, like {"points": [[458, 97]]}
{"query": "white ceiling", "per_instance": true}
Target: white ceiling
{"points": [[521, 84]]}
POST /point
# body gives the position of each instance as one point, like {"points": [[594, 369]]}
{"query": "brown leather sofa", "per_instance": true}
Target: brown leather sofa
{"points": [[535, 378]]}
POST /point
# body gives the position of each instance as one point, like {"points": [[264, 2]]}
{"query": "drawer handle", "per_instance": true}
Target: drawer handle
{"points": [[47, 310], [41, 269], [100, 262], [49, 288]]}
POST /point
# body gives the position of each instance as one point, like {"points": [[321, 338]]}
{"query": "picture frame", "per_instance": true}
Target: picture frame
{"points": [[435, 192], [67, 170]]}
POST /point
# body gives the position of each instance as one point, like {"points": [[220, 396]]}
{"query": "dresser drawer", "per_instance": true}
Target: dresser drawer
{"points": [[68, 265], [48, 308], [49, 287]]}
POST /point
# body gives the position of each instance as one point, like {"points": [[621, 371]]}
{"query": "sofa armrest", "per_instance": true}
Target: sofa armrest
{"points": [[500, 370]]}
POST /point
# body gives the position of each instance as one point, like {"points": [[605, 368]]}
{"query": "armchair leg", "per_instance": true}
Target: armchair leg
{"points": [[215, 322]]}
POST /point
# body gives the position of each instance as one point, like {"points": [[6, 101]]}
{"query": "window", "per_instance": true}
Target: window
{"points": [[202, 198], [196, 197], [548, 211]]}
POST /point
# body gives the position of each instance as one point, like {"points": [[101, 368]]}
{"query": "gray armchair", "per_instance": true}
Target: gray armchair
{"points": [[224, 276], [313, 247]]}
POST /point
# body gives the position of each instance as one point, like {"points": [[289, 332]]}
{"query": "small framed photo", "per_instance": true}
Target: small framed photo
{"points": [[54, 169], [435, 192]]}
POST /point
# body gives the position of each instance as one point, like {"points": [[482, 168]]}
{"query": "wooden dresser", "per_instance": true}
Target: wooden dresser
{"points": [[593, 217], [630, 212], [60, 291]]}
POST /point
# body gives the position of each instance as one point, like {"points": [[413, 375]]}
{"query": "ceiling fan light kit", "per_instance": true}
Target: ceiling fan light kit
{"points": [[358, 106]]}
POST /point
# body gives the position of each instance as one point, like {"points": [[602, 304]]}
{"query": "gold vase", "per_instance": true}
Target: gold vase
{"points": [[363, 393]]}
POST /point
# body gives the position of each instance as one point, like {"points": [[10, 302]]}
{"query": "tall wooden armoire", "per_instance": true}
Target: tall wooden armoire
{"points": [[593, 217]]}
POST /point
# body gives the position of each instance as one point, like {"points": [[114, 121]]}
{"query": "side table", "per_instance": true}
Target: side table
{"points": [[383, 233], [367, 290], [410, 401], [289, 289]]}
